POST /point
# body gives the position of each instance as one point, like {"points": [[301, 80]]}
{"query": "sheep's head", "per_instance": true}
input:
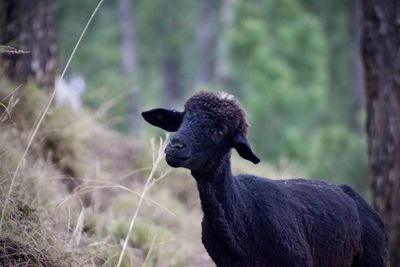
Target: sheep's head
{"points": [[211, 124]]}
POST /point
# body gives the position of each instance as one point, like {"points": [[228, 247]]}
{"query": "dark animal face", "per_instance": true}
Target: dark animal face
{"points": [[203, 137]]}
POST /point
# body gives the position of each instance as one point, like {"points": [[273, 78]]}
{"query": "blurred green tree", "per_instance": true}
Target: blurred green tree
{"points": [[166, 45], [98, 58], [129, 59], [206, 40], [280, 54], [296, 88]]}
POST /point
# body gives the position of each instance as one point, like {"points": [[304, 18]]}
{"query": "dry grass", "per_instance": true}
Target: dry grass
{"points": [[109, 171], [13, 253], [134, 217]]}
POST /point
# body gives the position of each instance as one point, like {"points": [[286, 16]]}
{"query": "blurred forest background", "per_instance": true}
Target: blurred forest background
{"points": [[81, 183], [289, 62]]}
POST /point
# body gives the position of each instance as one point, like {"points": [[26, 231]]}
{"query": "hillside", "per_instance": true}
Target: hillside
{"points": [[73, 198]]}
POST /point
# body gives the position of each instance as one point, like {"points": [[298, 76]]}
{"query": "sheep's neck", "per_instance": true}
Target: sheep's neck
{"points": [[221, 203]]}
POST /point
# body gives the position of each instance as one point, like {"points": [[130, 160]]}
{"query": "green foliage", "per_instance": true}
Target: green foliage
{"points": [[282, 60], [98, 58], [165, 30], [280, 82], [161, 31], [341, 156], [334, 18], [289, 68]]}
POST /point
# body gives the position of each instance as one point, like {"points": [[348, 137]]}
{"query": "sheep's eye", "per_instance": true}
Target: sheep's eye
{"points": [[219, 132]]}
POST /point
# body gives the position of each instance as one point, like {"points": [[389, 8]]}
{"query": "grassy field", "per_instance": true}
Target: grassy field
{"points": [[83, 195]]}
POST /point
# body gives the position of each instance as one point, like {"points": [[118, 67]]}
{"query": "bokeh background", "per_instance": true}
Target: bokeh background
{"points": [[290, 63]]}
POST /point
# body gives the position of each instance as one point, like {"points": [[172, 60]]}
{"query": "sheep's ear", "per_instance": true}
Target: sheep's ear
{"points": [[166, 119], [243, 147]]}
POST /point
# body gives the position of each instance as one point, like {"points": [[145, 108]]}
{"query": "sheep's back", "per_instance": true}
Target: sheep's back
{"points": [[329, 218], [317, 217]]}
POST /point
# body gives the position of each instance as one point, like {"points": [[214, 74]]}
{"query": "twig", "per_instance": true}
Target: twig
{"points": [[6, 49]]}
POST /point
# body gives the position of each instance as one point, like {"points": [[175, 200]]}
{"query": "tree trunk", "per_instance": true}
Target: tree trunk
{"points": [[172, 80], [29, 26], [222, 69], [206, 42], [129, 59], [357, 73], [380, 51]]}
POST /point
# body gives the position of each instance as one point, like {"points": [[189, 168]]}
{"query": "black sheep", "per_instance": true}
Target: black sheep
{"points": [[255, 222]]}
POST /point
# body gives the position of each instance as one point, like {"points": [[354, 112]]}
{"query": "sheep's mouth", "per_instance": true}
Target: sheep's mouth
{"points": [[176, 161]]}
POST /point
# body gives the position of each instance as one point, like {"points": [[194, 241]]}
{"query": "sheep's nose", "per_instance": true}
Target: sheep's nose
{"points": [[176, 143]]}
